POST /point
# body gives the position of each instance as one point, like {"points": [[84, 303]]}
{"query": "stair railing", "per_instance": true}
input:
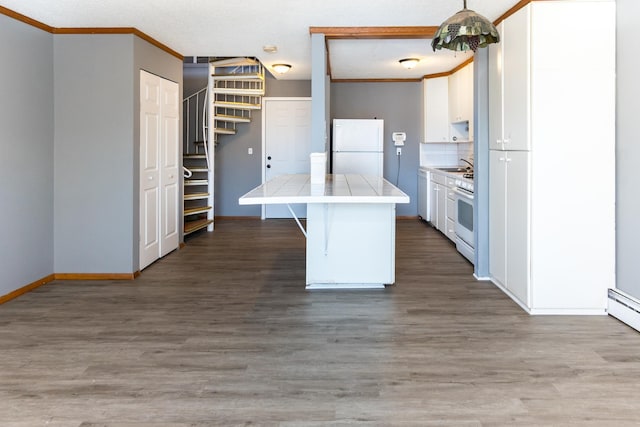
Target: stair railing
{"points": [[205, 129], [191, 123]]}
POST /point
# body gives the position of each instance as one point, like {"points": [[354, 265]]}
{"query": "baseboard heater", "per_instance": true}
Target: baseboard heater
{"points": [[625, 308]]}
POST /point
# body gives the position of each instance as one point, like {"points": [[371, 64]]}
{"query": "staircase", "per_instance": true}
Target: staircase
{"points": [[235, 89]]}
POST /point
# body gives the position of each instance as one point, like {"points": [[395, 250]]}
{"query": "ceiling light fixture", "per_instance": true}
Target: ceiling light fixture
{"points": [[281, 68], [466, 30], [409, 63]]}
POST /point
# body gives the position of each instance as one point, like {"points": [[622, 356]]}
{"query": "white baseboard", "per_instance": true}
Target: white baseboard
{"points": [[625, 308], [569, 311]]}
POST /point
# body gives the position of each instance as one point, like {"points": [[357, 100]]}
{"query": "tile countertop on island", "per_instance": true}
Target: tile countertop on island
{"points": [[336, 189]]}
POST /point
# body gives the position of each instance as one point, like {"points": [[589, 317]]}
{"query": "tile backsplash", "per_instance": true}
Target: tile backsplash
{"points": [[445, 154]]}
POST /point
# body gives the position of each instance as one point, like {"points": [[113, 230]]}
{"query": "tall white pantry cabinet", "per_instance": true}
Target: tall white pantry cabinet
{"points": [[552, 157]]}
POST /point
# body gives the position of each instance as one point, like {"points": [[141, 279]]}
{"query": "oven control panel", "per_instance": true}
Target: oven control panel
{"points": [[464, 184]]}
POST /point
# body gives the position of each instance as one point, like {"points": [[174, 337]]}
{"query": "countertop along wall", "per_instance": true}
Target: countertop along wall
{"points": [[26, 159], [399, 105]]}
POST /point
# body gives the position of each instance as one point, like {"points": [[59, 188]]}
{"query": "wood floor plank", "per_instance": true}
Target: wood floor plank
{"points": [[223, 332]]}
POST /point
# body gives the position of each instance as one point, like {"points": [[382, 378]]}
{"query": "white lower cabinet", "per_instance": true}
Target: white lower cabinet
{"points": [[442, 204], [509, 221], [438, 206], [423, 195], [450, 228]]}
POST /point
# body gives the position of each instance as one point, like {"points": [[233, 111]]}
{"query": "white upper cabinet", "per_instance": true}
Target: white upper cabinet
{"points": [[461, 104], [510, 84], [435, 117], [516, 67]]}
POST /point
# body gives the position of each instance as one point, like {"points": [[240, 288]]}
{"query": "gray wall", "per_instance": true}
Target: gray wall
{"points": [[238, 172], [93, 160], [399, 105], [627, 149], [26, 154], [481, 161], [96, 148]]}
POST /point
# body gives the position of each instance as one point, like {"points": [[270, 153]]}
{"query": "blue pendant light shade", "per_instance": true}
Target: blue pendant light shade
{"points": [[466, 30]]}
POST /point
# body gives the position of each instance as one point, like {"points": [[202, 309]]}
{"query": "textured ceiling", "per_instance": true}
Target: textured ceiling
{"points": [[243, 27]]}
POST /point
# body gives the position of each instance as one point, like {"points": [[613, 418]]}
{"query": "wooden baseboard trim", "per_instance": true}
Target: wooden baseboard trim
{"points": [[67, 276], [96, 276], [27, 288]]}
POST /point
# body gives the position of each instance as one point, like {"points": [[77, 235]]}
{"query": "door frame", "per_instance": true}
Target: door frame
{"points": [[265, 100], [166, 177]]}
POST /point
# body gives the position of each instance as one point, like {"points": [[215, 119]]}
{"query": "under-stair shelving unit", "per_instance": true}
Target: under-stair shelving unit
{"points": [[235, 89]]}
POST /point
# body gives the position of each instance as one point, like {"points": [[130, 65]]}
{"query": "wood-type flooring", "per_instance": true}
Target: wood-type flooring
{"points": [[222, 332]]}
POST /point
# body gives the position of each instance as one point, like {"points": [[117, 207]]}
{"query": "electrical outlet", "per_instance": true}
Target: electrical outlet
{"points": [[250, 150], [398, 151]]}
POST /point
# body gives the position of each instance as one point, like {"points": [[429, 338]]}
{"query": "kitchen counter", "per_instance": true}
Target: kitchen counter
{"points": [[437, 169], [286, 189], [350, 226]]}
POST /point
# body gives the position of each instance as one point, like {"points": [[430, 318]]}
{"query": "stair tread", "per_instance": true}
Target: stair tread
{"points": [[257, 77], [197, 209], [191, 226], [239, 91], [225, 131], [196, 182], [196, 196], [195, 156], [237, 105], [230, 118]]}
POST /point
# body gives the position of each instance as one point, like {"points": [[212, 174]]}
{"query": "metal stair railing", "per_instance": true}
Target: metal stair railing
{"points": [[194, 109]]}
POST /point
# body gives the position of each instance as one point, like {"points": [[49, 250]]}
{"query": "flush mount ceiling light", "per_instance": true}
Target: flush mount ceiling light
{"points": [[466, 30], [270, 48], [281, 68], [409, 63]]}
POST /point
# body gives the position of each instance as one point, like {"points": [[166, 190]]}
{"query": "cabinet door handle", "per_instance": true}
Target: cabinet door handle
{"points": [[507, 140], [508, 159], [501, 159]]}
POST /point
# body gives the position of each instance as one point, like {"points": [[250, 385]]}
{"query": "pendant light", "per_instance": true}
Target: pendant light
{"points": [[466, 30]]}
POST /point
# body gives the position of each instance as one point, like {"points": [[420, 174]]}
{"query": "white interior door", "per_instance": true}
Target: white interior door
{"points": [[149, 168], [159, 165], [169, 156], [286, 145]]}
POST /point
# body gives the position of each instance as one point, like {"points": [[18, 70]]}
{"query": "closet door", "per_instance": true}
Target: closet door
{"points": [[169, 167], [159, 167], [149, 168]]}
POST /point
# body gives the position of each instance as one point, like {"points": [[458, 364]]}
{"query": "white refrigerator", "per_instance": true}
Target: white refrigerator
{"points": [[357, 146]]}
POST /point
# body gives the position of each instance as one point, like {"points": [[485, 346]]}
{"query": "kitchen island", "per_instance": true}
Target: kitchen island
{"points": [[350, 226]]}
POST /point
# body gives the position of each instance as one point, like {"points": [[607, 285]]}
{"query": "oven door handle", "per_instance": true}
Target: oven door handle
{"points": [[463, 193]]}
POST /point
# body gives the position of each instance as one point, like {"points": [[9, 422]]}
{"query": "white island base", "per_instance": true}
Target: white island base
{"points": [[351, 227], [350, 245]]}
